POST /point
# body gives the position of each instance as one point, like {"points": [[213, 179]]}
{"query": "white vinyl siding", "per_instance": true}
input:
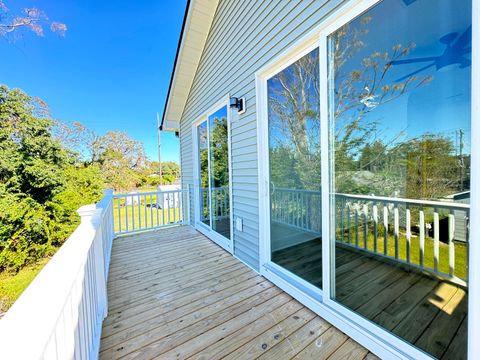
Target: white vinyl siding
{"points": [[245, 35]]}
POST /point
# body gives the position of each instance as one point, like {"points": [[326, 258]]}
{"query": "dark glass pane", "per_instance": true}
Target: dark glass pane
{"points": [[294, 149], [204, 173], [219, 172]]}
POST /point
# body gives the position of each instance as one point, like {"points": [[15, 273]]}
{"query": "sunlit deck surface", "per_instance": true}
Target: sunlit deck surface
{"points": [[174, 294]]}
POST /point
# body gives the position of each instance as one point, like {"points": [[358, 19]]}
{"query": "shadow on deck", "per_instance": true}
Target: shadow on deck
{"points": [[175, 294]]}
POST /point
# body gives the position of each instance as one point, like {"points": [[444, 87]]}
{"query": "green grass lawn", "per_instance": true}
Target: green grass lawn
{"points": [[141, 217], [12, 285], [461, 252]]}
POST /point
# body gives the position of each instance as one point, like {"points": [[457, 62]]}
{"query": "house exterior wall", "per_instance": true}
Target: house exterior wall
{"points": [[245, 35]]}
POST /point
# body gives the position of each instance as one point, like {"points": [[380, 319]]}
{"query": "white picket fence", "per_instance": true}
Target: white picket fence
{"points": [[59, 316]]}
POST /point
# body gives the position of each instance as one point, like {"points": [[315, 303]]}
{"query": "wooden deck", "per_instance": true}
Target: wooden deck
{"points": [[174, 294]]}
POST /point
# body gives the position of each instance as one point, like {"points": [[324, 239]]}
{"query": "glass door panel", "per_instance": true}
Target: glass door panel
{"points": [[214, 175], [219, 172], [294, 153], [400, 91], [204, 190]]}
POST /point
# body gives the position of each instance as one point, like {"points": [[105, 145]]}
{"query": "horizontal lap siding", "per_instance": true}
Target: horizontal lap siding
{"points": [[245, 35]]}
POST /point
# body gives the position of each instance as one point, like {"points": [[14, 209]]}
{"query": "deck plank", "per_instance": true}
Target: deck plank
{"points": [[180, 295], [323, 346], [443, 328], [280, 329], [182, 343], [156, 329], [135, 326], [297, 341], [349, 350], [229, 328]]}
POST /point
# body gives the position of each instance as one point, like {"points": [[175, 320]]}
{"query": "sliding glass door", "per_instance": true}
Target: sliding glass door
{"points": [[213, 189], [374, 117], [399, 112]]}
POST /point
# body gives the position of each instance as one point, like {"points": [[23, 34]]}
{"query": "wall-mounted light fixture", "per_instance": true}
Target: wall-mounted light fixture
{"points": [[239, 104]]}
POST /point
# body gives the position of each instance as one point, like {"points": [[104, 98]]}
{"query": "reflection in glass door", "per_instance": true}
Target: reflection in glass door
{"points": [[219, 172], [214, 173], [400, 91], [294, 155], [203, 149]]}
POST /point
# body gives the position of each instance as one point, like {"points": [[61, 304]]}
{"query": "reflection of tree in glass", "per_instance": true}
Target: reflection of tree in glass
{"points": [[423, 167], [219, 151], [294, 125], [361, 89], [203, 145], [364, 161]]}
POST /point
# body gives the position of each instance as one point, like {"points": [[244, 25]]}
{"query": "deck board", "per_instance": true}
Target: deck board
{"points": [[175, 294]]}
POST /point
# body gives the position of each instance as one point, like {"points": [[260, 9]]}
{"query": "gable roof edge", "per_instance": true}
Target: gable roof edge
{"points": [[198, 14]]}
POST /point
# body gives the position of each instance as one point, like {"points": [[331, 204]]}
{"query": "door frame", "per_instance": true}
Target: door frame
{"points": [[367, 333], [219, 239]]}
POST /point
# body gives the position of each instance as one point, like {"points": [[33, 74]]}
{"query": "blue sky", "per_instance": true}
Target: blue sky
{"points": [[443, 106], [110, 72]]}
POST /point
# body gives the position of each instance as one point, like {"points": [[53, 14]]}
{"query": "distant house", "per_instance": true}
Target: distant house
{"points": [[461, 219]]}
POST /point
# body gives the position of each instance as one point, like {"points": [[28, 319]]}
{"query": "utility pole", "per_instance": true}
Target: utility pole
{"points": [[159, 151], [462, 162]]}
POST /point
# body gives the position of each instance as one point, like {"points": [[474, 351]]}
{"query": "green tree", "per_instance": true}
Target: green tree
{"points": [[31, 176], [41, 185], [122, 160], [219, 152], [426, 166]]}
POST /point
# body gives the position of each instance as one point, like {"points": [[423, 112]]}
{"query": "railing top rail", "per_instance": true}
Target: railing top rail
{"points": [[429, 203], [149, 193], [317, 192]]}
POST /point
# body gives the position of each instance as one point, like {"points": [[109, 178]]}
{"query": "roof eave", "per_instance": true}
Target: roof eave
{"points": [[198, 15]]}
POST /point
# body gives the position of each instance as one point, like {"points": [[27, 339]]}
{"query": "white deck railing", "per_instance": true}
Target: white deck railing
{"points": [[386, 227], [220, 202], [297, 208], [419, 233], [134, 212], [59, 316]]}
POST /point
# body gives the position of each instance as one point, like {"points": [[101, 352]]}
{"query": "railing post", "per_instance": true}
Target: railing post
{"points": [[91, 214], [108, 193], [96, 262], [88, 213]]}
